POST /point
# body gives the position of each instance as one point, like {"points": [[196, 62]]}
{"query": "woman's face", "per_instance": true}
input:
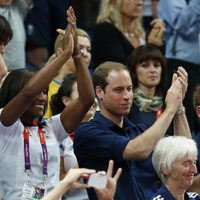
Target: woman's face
{"points": [[74, 95], [85, 45], [131, 8], [183, 171], [36, 109], [149, 74]]}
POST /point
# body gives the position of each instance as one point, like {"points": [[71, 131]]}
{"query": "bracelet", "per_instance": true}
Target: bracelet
{"points": [[180, 111], [78, 55]]}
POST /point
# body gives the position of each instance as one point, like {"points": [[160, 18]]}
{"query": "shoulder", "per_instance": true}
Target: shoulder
{"points": [[88, 127], [105, 28], [162, 194]]}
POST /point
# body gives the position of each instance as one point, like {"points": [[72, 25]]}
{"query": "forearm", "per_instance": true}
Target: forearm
{"points": [[143, 145], [57, 192], [84, 83], [181, 126], [42, 79]]}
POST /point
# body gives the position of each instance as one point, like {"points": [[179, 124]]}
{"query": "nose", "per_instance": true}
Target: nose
{"points": [[152, 67], [127, 94], [86, 53], [193, 168], [42, 97]]}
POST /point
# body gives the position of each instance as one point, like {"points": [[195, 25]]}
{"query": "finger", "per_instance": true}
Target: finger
{"points": [[174, 77], [182, 72], [70, 14], [159, 32], [60, 31], [157, 22], [110, 168], [182, 81], [81, 185], [117, 175], [86, 171], [178, 85], [103, 173]]}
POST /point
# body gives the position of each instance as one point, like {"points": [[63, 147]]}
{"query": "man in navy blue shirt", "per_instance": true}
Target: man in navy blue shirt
{"points": [[111, 136]]}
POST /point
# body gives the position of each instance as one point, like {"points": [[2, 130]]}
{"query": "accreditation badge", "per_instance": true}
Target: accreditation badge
{"points": [[32, 193]]}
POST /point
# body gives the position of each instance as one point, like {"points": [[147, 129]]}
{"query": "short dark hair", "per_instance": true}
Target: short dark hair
{"points": [[65, 89], [13, 84], [102, 71], [6, 32], [142, 54]]}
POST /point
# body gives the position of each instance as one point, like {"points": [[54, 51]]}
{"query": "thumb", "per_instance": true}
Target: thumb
{"points": [[174, 77], [60, 31]]}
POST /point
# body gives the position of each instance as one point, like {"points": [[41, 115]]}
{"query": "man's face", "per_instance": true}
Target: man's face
{"points": [[182, 172], [116, 99]]}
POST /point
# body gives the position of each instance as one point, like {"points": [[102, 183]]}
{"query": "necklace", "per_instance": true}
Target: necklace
{"points": [[129, 35]]}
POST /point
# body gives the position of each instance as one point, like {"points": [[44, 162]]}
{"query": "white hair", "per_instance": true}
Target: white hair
{"points": [[170, 149]]}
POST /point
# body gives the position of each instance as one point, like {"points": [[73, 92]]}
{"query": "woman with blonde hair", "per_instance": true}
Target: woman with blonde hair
{"points": [[119, 30]]}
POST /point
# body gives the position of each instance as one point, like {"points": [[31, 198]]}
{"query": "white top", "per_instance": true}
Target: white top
{"points": [[70, 161], [12, 174]]}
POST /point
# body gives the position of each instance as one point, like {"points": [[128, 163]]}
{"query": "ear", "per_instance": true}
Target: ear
{"points": [[198, 111], [66, 100], [164, 170], [58, 51], [99, 92]]}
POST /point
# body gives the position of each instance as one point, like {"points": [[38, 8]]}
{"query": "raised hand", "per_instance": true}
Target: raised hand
{"points": [[109, 192], [174, 95], [68, 34], [183, 78], [157, 31]]}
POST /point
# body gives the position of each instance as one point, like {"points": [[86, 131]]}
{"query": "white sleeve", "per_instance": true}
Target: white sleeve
{"points": [[70, 160], [56, 126]]}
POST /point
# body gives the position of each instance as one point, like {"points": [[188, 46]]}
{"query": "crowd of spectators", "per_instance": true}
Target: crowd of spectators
{"points": [[107, 89]]}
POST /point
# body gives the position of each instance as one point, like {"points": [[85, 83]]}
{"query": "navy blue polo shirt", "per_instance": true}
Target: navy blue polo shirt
{"points": [[196, 137], [164, 194], [99, 140]]}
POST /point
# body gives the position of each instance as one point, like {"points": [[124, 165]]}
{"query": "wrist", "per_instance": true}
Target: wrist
{"points": [[180, 111], [78, 55]]}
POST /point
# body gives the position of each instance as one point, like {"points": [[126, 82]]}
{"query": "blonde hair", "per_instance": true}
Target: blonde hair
{"points": [[110, 12], [59, 38]]}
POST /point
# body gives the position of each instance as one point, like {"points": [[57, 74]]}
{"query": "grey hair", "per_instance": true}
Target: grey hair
{"points": [[170, 149]]}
